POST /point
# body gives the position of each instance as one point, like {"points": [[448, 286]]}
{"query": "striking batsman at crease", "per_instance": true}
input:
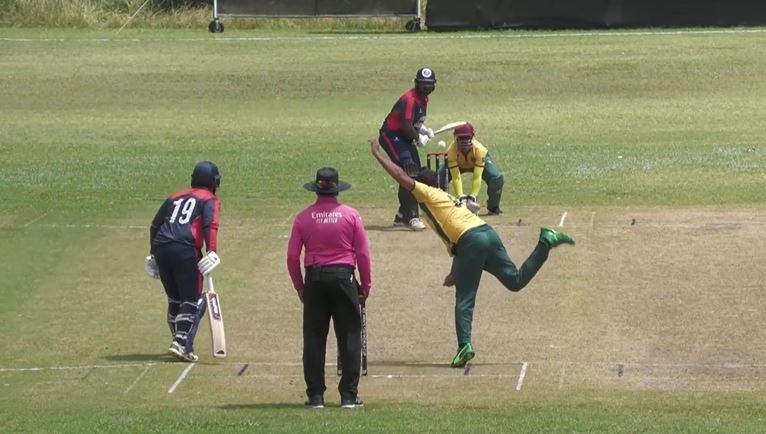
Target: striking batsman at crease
{"points": [[473, 245], [402, 133]]}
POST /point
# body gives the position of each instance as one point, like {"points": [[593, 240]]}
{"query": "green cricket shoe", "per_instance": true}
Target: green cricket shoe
{"points": [[555, 238], [464, 354]]}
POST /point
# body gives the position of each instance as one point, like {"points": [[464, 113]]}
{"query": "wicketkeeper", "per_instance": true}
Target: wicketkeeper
{"points": [[185, 221], [473, 245], [467, 155]]}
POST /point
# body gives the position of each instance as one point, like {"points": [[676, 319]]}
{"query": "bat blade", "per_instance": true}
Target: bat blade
{"points": [[450, 126], [216, 321]]}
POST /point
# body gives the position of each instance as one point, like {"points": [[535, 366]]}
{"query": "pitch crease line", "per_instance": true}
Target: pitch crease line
{"points": [[140, 376], [67, 368], [522, 375], [563, 217], [181, 378]]}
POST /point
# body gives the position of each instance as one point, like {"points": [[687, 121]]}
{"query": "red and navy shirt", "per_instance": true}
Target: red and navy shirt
{"points": [[188, 217], [411, 108]]}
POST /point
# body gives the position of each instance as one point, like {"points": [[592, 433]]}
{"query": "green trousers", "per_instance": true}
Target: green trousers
{"points": [[481, 249]]}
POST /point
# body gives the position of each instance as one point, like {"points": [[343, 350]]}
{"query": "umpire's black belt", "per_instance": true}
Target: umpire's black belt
{"points": [[314, 273], [331, 268]]}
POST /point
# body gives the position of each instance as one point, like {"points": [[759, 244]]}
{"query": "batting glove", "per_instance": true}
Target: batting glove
{"points": [[426, 131], [151, 268], [423, 140], [209, 263]]}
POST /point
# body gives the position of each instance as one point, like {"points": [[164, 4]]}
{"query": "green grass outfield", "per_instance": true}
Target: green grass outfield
{"points": [[97, 127]]}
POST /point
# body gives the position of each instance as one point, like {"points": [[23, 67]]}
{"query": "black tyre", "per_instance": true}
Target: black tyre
{"points": [[413, 25], [215, 26]]}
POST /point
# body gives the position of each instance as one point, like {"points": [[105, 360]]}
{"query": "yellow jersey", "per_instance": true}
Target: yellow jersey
{"points": [[457, 163], [475, 158], [444, 214]]}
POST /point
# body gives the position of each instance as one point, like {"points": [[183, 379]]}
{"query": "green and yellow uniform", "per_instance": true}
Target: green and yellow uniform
{"points": [[479, 163], [474, 247]]}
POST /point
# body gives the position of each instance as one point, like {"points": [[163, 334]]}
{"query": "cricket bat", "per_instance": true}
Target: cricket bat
{"points": [[216, 320], [450, 126]]}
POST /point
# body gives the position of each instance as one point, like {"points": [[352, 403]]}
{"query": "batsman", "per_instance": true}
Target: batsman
{"points": [[467, 155], [186, 220], [473, 245]]}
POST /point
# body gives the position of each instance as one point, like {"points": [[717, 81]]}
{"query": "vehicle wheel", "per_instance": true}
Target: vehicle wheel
{"points": [[413, 25], [215, 26]]}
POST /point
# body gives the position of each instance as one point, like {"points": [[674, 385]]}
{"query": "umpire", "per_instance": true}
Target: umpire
{"points": [[335, 242]]}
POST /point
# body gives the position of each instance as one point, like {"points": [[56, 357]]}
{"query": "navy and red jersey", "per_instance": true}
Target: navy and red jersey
{"points": [[411, 108], [188, 217]]}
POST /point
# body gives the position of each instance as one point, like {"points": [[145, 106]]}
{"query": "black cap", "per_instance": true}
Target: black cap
{"points": [[327, 182]]}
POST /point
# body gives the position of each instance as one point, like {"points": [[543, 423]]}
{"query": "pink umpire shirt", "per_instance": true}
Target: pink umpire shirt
{"points": [[332, 234]]}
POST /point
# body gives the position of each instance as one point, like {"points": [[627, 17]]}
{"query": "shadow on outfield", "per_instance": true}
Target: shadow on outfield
{"points": [[263, 406], [139, 358], [411, 364], [387, 228]]}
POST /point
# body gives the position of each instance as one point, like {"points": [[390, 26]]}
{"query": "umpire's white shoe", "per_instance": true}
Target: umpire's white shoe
{"points": [[180, 352]]}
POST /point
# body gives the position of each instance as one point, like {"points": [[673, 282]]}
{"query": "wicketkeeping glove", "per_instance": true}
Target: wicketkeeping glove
{"points": [[151, 268], [470, 202], [209, 263]]}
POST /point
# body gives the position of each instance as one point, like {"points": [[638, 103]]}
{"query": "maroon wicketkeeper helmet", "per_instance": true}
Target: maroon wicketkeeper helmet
{"points": [[465, 131]]}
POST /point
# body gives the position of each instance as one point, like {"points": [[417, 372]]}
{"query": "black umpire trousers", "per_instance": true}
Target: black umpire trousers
{"points": [[331, 292]]}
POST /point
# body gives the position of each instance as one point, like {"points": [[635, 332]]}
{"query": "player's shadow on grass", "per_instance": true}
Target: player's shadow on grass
{"points": [[410, 364], [140, 358], [263, 406], [387, 228]]}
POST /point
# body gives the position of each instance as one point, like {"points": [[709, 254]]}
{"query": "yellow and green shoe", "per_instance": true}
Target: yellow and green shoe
{"points": [[554, 238], [464, 354]]}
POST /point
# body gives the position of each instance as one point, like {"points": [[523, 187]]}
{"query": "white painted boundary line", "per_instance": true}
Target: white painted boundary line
{"points": [[140, 376], [522, 374], [420, 37], [181, 378]]}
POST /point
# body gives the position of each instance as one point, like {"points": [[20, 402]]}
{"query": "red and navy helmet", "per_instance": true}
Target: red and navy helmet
{"points": [[425, 76], [206, 175], [466, 130]]}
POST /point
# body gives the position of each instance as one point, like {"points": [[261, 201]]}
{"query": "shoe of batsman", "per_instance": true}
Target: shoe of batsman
{"points": [[209, 263]]}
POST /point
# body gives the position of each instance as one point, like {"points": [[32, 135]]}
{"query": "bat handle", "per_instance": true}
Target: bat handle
{"points": [[210, 285]]}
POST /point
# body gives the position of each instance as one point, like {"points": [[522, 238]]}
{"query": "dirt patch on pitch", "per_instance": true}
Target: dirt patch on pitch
{"points": [[661, 298]]}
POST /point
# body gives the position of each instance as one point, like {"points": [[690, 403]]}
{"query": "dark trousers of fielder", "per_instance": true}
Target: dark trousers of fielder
{"points": [[331, 293], [481, 249], [183, 286]]}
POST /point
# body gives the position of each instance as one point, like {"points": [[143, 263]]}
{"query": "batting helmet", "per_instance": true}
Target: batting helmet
{"points": [[426, 76], [465, 131], [206, 175]]}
